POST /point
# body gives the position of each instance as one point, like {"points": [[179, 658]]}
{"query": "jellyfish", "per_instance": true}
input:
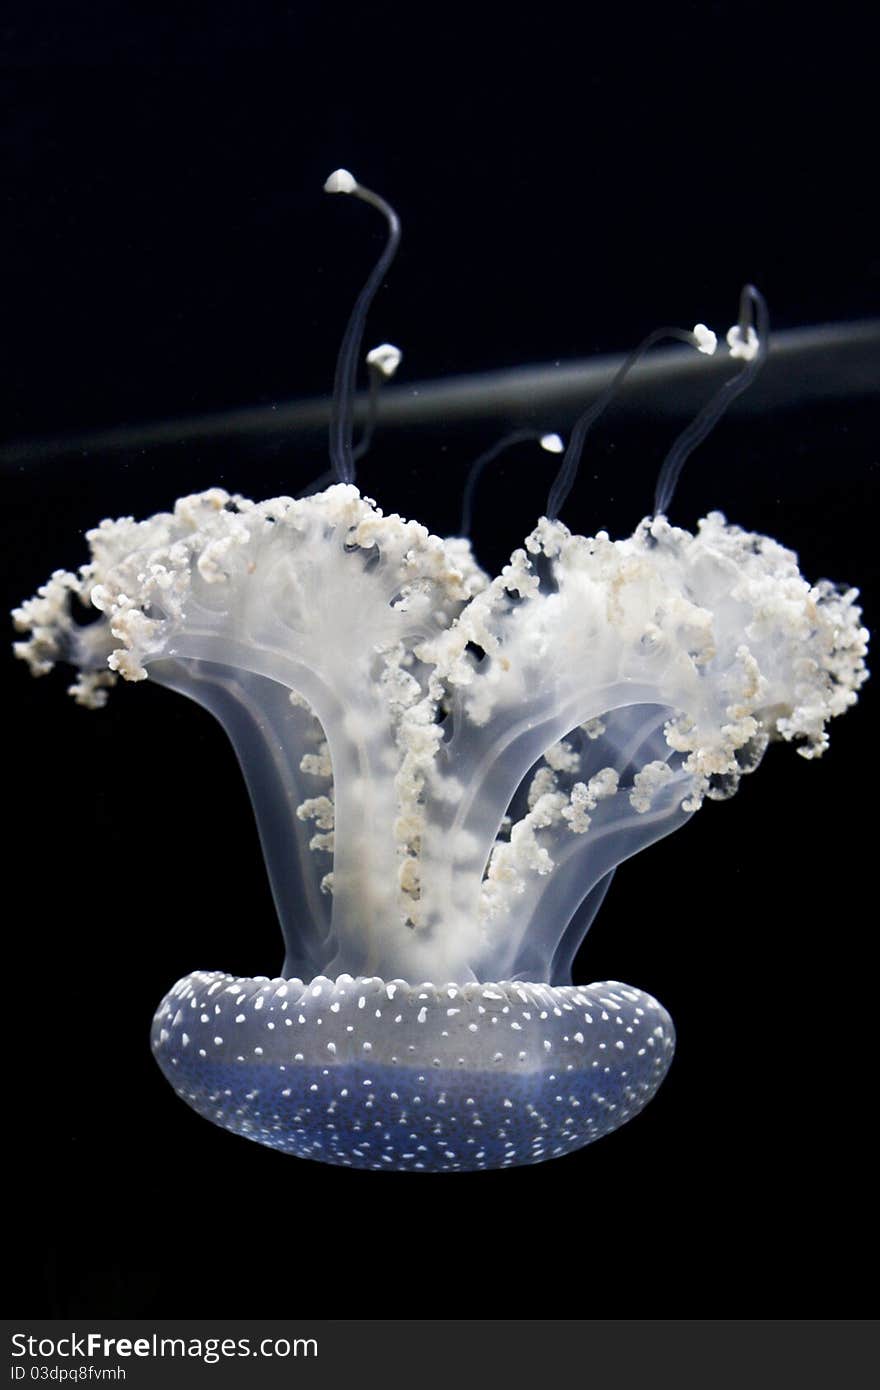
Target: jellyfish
{"points": [[446, 769]]}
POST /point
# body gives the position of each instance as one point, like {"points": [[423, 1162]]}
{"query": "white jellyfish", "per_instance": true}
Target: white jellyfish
{"points": [[446, 769]]}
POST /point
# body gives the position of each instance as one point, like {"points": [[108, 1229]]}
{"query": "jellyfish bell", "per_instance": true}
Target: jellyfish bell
{"points": [[446, 769], [374, 1074]]}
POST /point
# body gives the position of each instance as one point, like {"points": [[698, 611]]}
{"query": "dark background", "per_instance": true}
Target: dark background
{"points": [[568, 177]]}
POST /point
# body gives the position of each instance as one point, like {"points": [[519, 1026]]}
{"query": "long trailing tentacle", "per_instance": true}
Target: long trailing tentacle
{"points": [[342, 417]]}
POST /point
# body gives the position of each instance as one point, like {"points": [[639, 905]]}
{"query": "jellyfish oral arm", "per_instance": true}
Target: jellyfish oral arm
{"points": [[273, 738], [443, 767]]}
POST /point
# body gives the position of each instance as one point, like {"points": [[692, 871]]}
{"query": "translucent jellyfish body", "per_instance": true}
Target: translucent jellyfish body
{"points": [[371, 1075], [445, 771]]}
